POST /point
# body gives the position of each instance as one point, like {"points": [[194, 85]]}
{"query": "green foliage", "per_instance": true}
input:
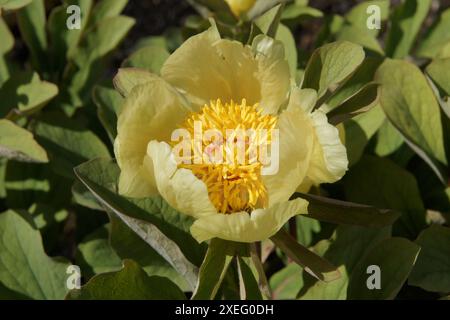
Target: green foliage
{"points": [[18, 144], [433, 264], [61, 94], [130, 283], [25, 268]]}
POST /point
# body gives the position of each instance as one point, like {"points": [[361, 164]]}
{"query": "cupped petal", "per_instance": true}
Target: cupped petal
{"points": [[294, 153], [273, 73], [151, 111], [197, 70], [329, 160], [303, 98], [208, 68], [179, 187], [244, 227]]}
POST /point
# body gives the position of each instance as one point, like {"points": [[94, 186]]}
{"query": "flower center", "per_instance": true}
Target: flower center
{"points": [[226, 153]]}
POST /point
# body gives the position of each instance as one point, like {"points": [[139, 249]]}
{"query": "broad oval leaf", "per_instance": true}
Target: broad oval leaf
{"points": [[163, 228], [130, 283], [18, 144], [68, 143], [331, 64], [378, 181], [410, 105], [432, 269], [436, 37], [150, 58], [439, 72], [406, 21], [24, 265], [395, 258]]}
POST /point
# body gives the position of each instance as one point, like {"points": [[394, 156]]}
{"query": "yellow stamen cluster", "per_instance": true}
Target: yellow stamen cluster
{"points": [[233, 185]]}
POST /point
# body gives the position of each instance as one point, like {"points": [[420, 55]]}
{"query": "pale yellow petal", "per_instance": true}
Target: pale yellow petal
{"points": [[151, 111], [329, 157], [295, 148], [208, 68], [244, 227], [303, 98], [179, 187], [197, 70], [329, 160], [273, 73], [305, 186]]}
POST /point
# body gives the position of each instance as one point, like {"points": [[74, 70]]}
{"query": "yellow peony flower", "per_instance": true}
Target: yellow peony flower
{"points": [[222, 84], [239, 7]]}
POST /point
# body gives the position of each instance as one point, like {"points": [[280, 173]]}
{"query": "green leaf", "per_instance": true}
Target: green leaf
{"points": [[389, 140], [361, 102], [347, 246], [91, 56], [31, 20], [307, 228], [444, 53], [18, 144], [360, 78], [102, 39], [30, 183], [129, 245], [363, 37], [311, 262], [268, 22], [127, 78], [432, 269], [388, 179], [287, 282], [106, 9], [150, 58], [331, 26], [247, 279], [109, 103], [406, 22], [285, 36], [213, 269], [438, 71], [24, 266], [342, 212], [410, 105], [6, 45], [13, 4], [395, 257], [64, 41], [359, 130], [3, 163], [130, 283], [358, 15], [331, 64], [96, 255], [261, 8], [298, 12], [163, 228], [68, 143], [25, 93], [436, 37], [83, 197]]}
